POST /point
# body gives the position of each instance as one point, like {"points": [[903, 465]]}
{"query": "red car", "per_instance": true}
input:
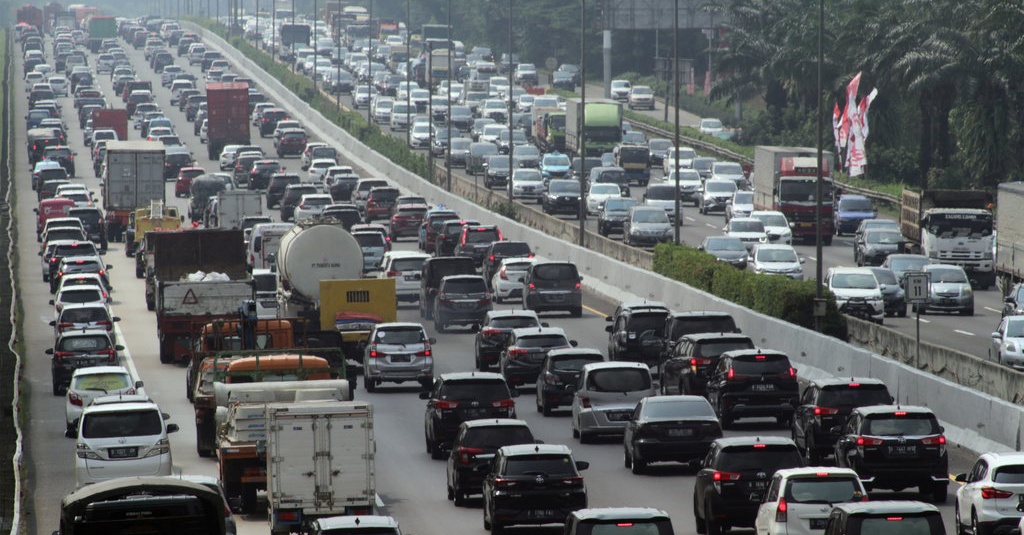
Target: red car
{"points": [[292, 142], [380, 203], [407, 220], [183, 185]]}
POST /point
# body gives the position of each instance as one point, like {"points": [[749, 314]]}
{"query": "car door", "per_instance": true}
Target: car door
{"points": [[715, 382], [847, 440], [997, 341], [704, 479], [766, 512], [627, 437], [576, 396], [969, 493], [804, 415]]}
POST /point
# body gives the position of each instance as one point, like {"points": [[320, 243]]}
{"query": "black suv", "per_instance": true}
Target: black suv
{"points": [[612, 216], [461, 300], [80, 349], [63, 155], [475, 240], [492, 338], [687, 369], [499, 251], [733, 479], [679, 324], [521, 361], [553, 286], [269, 119], [475, 445], [562, 197], [292, 195], [275, 189], [560, 369], [895, 447], [435, 269], [448, 237], [261, 173], [532, 484], [750, 383], [459, 397], [636, 332], [94, 224], [896, 516], [828, 403]]}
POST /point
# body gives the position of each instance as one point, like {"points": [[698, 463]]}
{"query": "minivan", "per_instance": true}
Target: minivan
{"points": [[435, 269], [263, 243], [278, 182], [553, 286]]}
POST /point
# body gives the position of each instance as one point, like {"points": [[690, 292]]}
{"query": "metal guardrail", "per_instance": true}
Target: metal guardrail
{"points": [[718, 151]]}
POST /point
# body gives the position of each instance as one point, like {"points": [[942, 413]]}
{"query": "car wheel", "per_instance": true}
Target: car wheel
{"points": [[967, 311], [976, 528], [713, 527], [371, 385], [939, 493], [546, 408], [575, 432], [627, 461], [498, 299], [639, 466], [459, 497], [576, 312]]}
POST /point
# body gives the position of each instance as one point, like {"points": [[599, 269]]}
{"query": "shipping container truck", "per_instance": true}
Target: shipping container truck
{"points": [[31, 15], [549, 128], [65, 19], [320, 462], [227, 116], [234, 205], [785, 179], [100, 27], [602, 130], [183, 306], [132, 177], [113, 119], [952, 227]]}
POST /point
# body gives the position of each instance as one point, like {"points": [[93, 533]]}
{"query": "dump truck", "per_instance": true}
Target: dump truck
{"points": [[113, 119], [197, 276], [602, 127], [952, 227], [785, 180], [156, 216], [320, 462], [549, 128], [132, 178], [227, 116]]}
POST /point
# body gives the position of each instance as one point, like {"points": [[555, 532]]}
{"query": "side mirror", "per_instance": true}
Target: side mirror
{"points": [[804, 261], [608, 318], [139, 384], [836, 431], [574, 343], [116, 318], [960, 478], [71, 432], [582, 465], [432, 341], [119, 347], [49, 351], [109, 267], [51, 301], [995, 335], [172, 428], [54, 323], [424, 395], [36, 210]]}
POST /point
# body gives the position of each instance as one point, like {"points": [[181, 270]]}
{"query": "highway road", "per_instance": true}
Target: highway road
{"points": [[410, 485]]}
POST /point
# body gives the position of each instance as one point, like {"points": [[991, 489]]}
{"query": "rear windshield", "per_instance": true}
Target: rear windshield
{"points": [[408, 264], [661, 193], [513, 322], [826, 490], [88, 295], [715, 349], [102, 381], [548, 465], [686, 326], [370, 239], [405, 335], [761, 365], [555, 272], [122, 424], [619, 380], [465, 287], [768, 458], [896, 525], [83, 315], [859, 396], [630, 527], [573, 364], [679, 409], [648, 322], [909, 424], [482, 236], [85, 343], [1013, 474], [482, 391], [492, 438], [511, 248], [547, 340]]}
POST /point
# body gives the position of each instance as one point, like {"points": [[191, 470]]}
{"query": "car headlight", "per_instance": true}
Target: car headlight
{"points": [[900, 293], [966, 291], [1011, 347]]}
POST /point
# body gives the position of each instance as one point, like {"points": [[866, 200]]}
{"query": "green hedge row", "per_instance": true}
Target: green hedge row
{"points": [[774, 295], [354, 123]]}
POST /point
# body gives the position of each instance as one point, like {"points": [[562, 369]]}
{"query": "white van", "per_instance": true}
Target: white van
{"points": [[195, 53], [263, 243]]}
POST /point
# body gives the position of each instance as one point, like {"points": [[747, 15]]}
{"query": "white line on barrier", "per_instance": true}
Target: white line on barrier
{"points": [[963, 332], [812, 259]]}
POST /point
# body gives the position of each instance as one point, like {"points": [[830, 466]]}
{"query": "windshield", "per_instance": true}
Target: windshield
{"points": [[122, 424], [720, 187], [725, 244], [619, 205], [827, 490], [767, 459], [492, 438], [909, 264], [619, 380], [776, 255], [744, 197], [604, 189], [401, 336], [527, 175], [573, 364], [947, 275], [728, 169], [884, 237], [650, 216], [559, 160], [797, 190], [860, 396], [746, 226], [884, 276], [564, 186], [772, 220], [855, 205], [532, 465], [907, 424], [514, 322], [1015, 329], [955, 225], [542, 341], [854, 281]]}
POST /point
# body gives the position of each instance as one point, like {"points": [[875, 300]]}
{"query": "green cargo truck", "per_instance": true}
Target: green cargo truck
{"points": [[101, 27], [602, 130]]}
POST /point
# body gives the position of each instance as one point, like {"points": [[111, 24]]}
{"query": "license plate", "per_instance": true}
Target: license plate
{"points": [[902, 450], [401, 358], [466, 305], [763, 387], [122, 453], [474, 413], [819, 523], [618, 416], [411, 277], [554, 297], [680, 432], [541, 513]]}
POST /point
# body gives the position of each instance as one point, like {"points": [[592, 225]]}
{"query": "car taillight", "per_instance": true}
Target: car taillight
{"points": [[502, 275], [443, 299], [507, 403], [490, 331], [76, 400], [393, 273], [502, 483], [574, 481], [696, 361], [731, 374], [515, 353], [869, 441], [62, 354], [425, 353], [484, 300], [991, 493], [373, 352], [825, 411], [533, 286], [719, 477], [466, 455], [577, 286], [444, 405], [585, 402], [792, 372], [491, 258], [780, 510], [939, 441], [551, 379]]}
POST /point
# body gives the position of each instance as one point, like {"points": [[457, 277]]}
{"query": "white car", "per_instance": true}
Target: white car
{"points": [[711, 126], [989, 494], [204, 131], [742, 205], [528, 184], [749, 230], [382, 109], [857, 292], [59, 84], [507, 282], [92, 382], [728, 171], [598, 194], [799, 500], [318, 167], [620, 90], [641, 96], [405, 268], [775, 224], [401, 115], [684, 155], [419, 136], [312, 205], [1007, 346], [771, 259], [689, 185], [340, 525], [122, 436]]}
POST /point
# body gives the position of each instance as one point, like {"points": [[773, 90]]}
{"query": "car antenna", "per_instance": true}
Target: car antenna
{"points": [[536, 449]]}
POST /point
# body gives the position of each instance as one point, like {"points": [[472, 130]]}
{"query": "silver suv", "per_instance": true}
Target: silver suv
{"points": [[398, 352], [646, 225]]}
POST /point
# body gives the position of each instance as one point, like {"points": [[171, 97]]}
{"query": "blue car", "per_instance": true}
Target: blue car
{"points": [[554, 165], [850, 211], [35, 117]]}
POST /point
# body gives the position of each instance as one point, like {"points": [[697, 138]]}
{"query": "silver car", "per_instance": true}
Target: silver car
{"points": [[606, 395], [373, 246], [949, 290], [398, 352]]}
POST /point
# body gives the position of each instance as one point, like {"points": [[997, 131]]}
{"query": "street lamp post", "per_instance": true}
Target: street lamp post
{"points": [[430, 110], [408, 78], [448, 120], [316, 23], [369, 68], [582, 122], [336, 90], [678, 219], [509, 103], [819, 304]]}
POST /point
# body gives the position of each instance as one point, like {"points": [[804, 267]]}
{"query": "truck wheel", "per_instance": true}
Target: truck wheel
{"points": [[166, 357], [249, 504]]}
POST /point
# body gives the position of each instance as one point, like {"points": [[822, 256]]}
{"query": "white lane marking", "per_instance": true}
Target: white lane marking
{"points": [[963, 332], [689, 218], [812, 259], [126, 355], [710, 225], [925, 321], [990, 309]]}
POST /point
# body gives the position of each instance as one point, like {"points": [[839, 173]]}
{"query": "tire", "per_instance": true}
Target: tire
{"points": [[576, 312], [939, 493], [437, 453], [701, 524], [902, 312], [371, 385], [712, 526], [459, 497], [585, 438], [967, 312], [575, 432], [976, 528], [627, 461], [958, 525], [57, 390], [166, 357], [639, 466]]}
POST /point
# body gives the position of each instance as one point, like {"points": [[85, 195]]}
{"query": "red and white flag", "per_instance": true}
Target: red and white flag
{"points": [[858, 135], [837, 120]]}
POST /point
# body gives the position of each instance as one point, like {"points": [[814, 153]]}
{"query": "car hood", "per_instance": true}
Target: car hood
{"points": [[948, 287], [847, 293], [778, 266]]}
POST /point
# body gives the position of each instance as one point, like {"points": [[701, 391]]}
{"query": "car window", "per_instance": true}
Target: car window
{"points": [[826, 490], [548, 465], [481, 390], [908, 424], [83, 315], [88, 295], [1011, 474], [482, 236], [410, 335], [618, 380], [513, 322], [540, 341], [647, 322], [465, 286], [861, 396], [679, 409], [495, 437], [85, 343], [715, 349], [768, 458], [369, 239], [895, 525], [555, 272], [407, 264], [122, 424], [761, 364], [102, 381]]}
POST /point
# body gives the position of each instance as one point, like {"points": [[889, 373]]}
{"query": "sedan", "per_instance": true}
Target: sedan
{"points": [[1006, 347], [669, 428], [949, 290], [771, 259], [728, 249], [528, 184]]}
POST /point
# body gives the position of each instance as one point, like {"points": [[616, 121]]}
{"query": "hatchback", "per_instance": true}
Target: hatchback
{"points": [[311, 205], [949, 290], [405, 268], [121, 439], [90, 383], [398, 352], [521, 360], [605, 397], [373, 246], [507, 282], [493, 335]]}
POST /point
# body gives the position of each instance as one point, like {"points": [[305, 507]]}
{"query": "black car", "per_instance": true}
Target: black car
{"points": [[669, 429], [475, 445], [637, 331], [262, 171], [553, 286], [500, 250], [532, 484], [433, 272], [269, 119], [828, 403], [693, 358], [347, 215], [728, 249], [562, 197], [733, 478], [492, 337], [94, 223], [560, 369], [563, 80], [612, 216], [521, 360], [893, 296], [872, 246], [63, 155], [277, 185], [448, 237], [750, 383], [476, 240], [679, 324], [459, 397], [461, 300], [292, 195], [895, 447]]}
